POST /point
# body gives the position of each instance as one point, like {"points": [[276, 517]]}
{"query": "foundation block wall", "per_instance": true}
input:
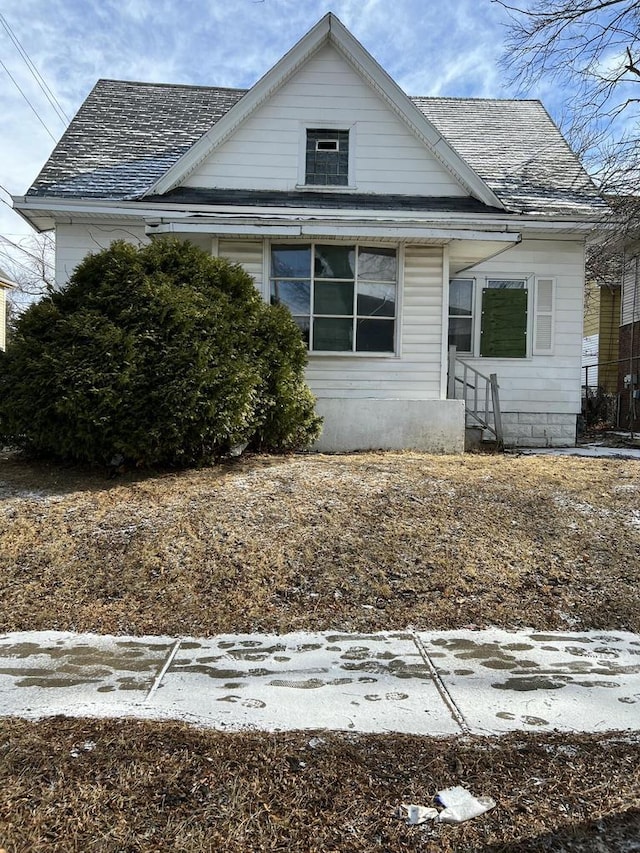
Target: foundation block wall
{"points": [[530, 429]]}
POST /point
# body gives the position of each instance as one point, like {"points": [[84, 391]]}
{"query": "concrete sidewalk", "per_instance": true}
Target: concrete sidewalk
{"points": [[429, 683]]}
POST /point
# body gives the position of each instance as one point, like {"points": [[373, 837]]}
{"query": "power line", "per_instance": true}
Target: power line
{"points": [[55, 103], [35, 112]]}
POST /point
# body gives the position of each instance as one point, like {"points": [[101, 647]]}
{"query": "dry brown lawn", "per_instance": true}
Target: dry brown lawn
{"points": [[134, 787], [361, 542]]}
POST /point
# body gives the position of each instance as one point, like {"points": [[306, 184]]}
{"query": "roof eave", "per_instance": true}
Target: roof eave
{"points": [[39, 208]]}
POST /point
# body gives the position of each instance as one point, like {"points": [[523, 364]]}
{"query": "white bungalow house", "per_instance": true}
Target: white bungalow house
{"points": [[391, 226]]}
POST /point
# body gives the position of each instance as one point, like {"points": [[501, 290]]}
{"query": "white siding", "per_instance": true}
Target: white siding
{"points": [[265, 151], [247, 253], [631, 292], [415, 373], [541, 383], [74, 242]]}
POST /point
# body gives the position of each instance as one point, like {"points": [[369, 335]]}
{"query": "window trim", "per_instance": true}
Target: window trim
{"points": [[474, 284], [351, 184], [531, 285], [357, 244]]}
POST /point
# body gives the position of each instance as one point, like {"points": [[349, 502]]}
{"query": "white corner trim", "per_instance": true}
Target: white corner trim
{"points": [[444, 346]]}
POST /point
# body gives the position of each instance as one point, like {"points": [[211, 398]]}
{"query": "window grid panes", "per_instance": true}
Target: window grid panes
{"points": [[327, 157], [343, 297]]}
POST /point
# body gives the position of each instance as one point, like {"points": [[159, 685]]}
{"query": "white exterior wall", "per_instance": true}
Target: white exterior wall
{"points": [[539, 395], [266, 151], [249, 254], [74, 242], [382, 402], [412, 374]]}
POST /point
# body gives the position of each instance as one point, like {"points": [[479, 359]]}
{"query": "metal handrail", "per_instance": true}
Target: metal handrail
{"points": [[486, 413]]}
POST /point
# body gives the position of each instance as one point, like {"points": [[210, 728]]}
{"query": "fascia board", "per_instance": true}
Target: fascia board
{"points": [[258, 93], [334, 229], [65, 208]]}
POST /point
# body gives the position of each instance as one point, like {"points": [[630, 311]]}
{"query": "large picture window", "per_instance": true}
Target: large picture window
{"points": [[343, 298]]}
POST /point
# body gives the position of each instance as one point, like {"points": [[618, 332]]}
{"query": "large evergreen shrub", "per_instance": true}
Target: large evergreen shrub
{"points": [[159, 355]]}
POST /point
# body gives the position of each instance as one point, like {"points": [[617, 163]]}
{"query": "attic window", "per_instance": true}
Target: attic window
{"points": [[327, 145], [327, 157]]}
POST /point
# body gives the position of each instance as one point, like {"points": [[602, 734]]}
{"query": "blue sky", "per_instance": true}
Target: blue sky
{"points": [[429, 47]]}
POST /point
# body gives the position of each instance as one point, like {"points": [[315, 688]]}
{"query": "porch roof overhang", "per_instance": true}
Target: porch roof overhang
{"points": [[467, 246], [471, 237]]}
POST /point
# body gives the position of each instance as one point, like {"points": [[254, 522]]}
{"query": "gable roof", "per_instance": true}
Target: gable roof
{"points": [[133, 139], [330, 30]]}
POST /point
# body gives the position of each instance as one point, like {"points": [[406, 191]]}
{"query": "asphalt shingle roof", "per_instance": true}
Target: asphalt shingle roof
{"points": [[517, 150], [126, 135]]}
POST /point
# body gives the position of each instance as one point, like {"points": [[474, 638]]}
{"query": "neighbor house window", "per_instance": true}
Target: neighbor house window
{"points": [[343, 298], [503, 322], [461, 314], [327, 157]]}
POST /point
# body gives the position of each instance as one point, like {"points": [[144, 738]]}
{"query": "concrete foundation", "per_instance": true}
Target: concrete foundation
{"points": [[432, 426], [538, 429]]}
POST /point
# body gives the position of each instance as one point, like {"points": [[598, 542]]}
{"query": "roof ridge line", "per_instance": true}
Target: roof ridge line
{"points": [[171, 85]]}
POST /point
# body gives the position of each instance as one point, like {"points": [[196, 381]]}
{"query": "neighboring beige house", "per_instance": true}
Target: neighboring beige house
{"points": [[391, 226], [600, 344], [629, 352], [5, 284]]}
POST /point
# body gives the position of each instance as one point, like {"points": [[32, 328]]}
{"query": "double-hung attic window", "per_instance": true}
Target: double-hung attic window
{"points": [[327, 157]]}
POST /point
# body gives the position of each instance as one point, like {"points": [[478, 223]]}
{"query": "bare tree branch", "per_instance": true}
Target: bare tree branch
{"points": [[30, 263]]}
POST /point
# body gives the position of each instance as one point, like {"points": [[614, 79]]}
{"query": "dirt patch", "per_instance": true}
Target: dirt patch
{"points": [[356, 543], [70, 785]]}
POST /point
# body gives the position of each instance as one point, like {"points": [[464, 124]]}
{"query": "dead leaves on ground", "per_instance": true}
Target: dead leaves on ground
{"points": [[356, 543]]}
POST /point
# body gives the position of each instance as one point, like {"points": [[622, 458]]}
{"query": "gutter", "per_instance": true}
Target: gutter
{"points": [[57, 208]]}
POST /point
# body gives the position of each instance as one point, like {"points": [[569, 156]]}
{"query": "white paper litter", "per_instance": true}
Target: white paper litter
{"points": [[419, 814], [460, 805]]}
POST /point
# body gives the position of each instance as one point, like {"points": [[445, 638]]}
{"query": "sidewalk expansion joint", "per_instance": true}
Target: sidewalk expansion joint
{"points": [[163, 671], [446, 697]]}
